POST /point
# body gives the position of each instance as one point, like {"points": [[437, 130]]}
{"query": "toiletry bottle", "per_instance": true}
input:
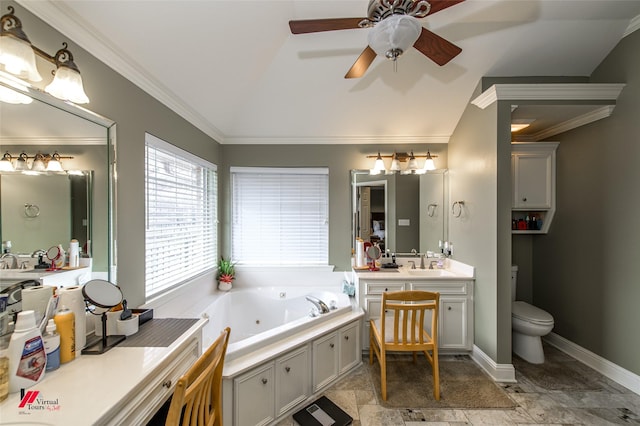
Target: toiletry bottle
{"points": [[66, 325], [52, 346], [27, 358], [74, 254]]}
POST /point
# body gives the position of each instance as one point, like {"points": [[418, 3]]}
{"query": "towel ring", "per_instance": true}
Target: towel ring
{"points": [[456, 208], [31, 210]]}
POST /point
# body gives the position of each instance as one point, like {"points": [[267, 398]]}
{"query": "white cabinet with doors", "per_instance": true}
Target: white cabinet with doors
{"points": [[267, 391], [334, 354], [455, 328], [533, 173]]}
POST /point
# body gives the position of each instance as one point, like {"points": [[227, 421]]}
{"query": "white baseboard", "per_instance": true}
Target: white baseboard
{"points": [[603, 366], [503, 373]]}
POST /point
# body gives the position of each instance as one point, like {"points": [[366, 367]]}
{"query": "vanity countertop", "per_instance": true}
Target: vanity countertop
{"points": [[96, 389], [61, 277], [453, 270]]}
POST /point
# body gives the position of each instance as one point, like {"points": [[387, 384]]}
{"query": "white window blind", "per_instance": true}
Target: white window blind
{"points": [[280, 216], [181, 216]]}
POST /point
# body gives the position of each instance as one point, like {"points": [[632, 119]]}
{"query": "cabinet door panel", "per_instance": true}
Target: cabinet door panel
{"points": [[453, 323], [325, 360], [292, 379], [532, 181], [254, 397], [349, 353]]}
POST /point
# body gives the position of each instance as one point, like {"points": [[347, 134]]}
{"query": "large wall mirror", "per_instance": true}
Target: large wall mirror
{"points": [[400, 212], [41, 209]]}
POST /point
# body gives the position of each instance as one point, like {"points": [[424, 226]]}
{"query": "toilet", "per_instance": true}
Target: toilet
{"points": [[528, 325]]}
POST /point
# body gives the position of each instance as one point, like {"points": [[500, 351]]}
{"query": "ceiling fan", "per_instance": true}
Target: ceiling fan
{"points": [[394, 28]]}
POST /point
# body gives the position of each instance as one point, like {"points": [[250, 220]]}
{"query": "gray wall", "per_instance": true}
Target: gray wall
{"points": [[479, 173], [340, 159], [585, 271]]}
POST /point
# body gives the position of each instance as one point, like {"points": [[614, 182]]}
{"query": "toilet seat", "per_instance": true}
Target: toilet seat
{"points": [[530, 313]]}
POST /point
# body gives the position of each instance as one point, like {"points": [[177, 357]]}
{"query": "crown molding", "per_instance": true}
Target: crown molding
{"points": [[633, 25], [337, 140], [548, 92], [581, 120], [67, 22], [52, 140]]}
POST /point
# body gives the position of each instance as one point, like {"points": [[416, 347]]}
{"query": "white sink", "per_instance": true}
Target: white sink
{"points": [[431, 272]]}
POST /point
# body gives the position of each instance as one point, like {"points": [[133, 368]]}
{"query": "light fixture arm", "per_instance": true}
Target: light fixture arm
{"points": [[10, 24]]}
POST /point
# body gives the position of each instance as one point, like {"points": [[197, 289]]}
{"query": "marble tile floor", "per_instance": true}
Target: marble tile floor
{"points": [[596, 401]]}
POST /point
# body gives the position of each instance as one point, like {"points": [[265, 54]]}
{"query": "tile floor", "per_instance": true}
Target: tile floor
{"points": [[610, 404]]}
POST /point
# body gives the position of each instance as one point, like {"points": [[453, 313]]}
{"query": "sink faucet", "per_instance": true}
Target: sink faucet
{"points": [[322, 307], [413, 264], [431, 263], [422, 261], [14, 262]]}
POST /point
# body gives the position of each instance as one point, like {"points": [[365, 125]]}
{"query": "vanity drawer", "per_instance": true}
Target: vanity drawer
{"points": [[379, 288], [448, 287]]}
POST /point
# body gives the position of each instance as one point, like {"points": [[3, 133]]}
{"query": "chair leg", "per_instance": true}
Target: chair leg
{"points": [[436, 375], [383, 373], [371, 346]]}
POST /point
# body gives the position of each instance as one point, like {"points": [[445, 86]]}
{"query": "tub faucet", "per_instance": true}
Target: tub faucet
{"points": [[322, 307], [14, 261]]}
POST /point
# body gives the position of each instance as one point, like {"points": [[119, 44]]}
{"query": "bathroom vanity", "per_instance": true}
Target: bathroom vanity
{"points": [[124, 386], [454, 283]]}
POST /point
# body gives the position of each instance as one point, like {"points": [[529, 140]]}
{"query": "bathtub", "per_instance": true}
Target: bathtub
{"points": [[260, 316]]}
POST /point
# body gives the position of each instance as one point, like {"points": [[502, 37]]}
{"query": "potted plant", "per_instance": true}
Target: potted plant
{"points": [[226, 274]]}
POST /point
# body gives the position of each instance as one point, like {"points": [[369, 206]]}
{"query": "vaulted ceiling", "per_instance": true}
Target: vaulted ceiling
{"points": [[233, 68]]}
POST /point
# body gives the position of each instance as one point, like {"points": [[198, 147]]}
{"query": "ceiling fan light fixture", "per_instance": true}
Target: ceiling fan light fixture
{"points": [[394, 35]]}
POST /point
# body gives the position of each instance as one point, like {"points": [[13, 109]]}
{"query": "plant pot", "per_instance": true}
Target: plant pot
{"points": [[224, 286]]}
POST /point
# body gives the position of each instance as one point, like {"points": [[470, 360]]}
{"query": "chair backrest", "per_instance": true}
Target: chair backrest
{"points": [[197, 398], [407, 312]]}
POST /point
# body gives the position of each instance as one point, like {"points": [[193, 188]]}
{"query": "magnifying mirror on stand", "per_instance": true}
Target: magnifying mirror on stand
{"points": [[373, 254], [105, 295], [54, 254]]}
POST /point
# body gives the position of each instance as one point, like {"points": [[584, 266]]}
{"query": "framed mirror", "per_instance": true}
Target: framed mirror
{"points": [[41, 209], [400, 212]]}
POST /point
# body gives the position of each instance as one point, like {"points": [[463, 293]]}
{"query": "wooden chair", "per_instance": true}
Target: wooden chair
{"points": [[197, 398], [401, 327]]}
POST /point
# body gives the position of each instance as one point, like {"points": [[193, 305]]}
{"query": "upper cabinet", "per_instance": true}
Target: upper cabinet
{"points": [[533, 173]]}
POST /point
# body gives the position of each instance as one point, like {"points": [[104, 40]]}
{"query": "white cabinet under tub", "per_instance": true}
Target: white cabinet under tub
{"points": [[455, 328], [335, 354], [270, 385]]}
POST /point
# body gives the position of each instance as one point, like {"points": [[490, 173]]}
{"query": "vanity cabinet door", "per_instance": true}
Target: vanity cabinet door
{"points": [[325, 360], [254, 395], [349, 352], [453, 323], [292, 379]]}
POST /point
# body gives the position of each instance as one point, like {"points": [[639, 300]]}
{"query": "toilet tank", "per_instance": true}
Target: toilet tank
{"points": [[514, 281]]}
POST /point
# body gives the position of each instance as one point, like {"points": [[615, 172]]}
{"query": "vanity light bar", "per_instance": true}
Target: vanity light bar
{"points": [[41, 162]]}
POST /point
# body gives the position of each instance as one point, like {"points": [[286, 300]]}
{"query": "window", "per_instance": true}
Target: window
{"points": [[181, 216], [280, 216]]}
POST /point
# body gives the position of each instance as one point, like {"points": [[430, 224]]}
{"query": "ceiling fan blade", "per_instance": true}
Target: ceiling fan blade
{"points": [[319, 25], [436, 48], [361, 65], [438, 5]]}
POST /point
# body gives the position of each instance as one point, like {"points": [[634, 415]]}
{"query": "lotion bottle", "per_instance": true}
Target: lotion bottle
{"points": [[52, 346], [27, 357]]}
